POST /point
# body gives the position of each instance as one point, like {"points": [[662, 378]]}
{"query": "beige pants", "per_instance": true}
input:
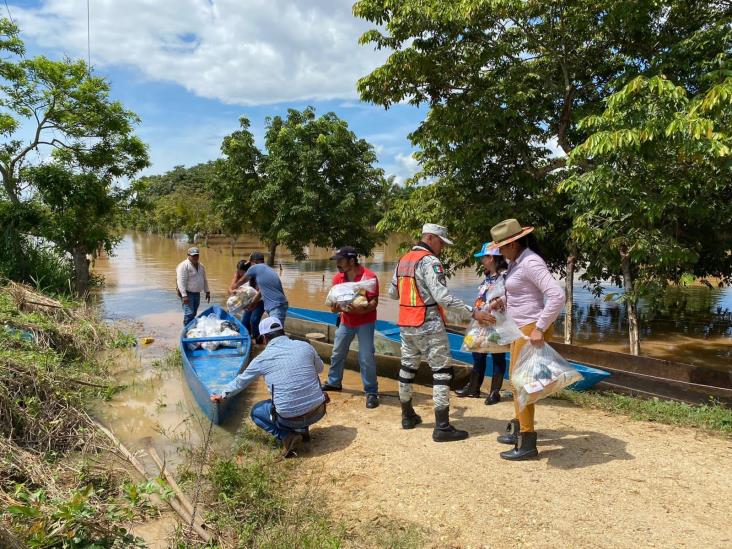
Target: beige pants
{"points": [[525, 416]]}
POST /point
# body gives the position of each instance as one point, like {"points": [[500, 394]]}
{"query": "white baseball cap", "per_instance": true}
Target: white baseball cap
{"points": [[437, 230], [269, 325]]}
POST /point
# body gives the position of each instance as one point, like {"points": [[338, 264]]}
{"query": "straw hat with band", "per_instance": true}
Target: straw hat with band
{"points": [[506, 232]]}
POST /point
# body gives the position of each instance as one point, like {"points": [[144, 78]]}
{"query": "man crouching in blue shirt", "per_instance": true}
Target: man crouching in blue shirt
{"points": [[290, 369]]}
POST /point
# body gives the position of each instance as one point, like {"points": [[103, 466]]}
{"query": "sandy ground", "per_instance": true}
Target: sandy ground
{"points": [[601, 480]]}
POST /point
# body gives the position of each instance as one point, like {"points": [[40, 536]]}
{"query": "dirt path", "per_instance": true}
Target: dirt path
{"points": [[601, 481]]}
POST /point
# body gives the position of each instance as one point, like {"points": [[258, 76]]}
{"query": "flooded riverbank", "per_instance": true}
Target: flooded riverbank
{"points": [[140, 288], [690, 324], [580, 447]]}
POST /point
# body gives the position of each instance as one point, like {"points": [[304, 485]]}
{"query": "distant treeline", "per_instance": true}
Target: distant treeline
{"points": [[316, 183]]}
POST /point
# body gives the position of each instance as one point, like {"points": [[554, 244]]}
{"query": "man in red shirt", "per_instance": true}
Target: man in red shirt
{"points": [[356, 320]]}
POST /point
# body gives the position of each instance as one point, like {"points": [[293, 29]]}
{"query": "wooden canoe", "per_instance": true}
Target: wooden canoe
{"points": [[207, 372], [302, 321]]}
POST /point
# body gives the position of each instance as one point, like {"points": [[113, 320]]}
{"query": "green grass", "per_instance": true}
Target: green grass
{"points": [[712, 417], [260, 502], [256, 499]]}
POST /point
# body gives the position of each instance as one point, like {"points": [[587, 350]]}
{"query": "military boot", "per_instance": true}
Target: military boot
{"points": [[511, 434], [525, 448], [472, 388], [444, 432], [410, 419]]}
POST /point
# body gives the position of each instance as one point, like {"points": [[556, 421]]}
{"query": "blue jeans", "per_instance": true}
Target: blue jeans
{"points": [[262, 417], [190, 310], [279, 312], [251, 320], [367, 362]]}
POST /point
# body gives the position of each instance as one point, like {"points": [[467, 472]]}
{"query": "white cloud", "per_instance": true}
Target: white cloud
{"points": [[408, 162], [402, 168], [244, 52]]}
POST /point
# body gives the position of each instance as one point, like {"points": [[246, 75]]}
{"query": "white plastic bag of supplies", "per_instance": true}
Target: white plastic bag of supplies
{"points": [[211, 326], [507, 329], [480, 339], [230, 342], [241, 299], [540, 372], [345, 293], [194, 332]]}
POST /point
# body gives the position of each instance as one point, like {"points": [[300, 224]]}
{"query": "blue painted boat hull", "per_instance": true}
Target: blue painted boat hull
{"points": [[207, 372], [390, 331]]}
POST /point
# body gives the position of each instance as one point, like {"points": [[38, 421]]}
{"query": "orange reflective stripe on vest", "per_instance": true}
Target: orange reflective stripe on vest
{"points": [[412, 308]]}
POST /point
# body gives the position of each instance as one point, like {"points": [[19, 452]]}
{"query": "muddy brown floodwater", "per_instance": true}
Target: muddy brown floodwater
{"points": [[602, 480], [691, 324]]}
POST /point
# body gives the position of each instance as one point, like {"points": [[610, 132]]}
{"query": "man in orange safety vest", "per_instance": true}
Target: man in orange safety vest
{"points": [[420, 286]]}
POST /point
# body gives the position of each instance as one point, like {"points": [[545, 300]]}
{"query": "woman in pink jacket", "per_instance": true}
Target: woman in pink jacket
{"points": [[533, 300]]}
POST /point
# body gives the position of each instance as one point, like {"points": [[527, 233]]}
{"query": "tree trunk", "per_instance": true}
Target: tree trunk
{"points": [[569, 296], [232, 243], [81, 271], [191, 238], [631, 303], [272, 252], [10, 186]]}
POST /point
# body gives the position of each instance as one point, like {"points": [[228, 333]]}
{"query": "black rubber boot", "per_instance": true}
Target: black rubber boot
{"points": [[525, 448], [410, 419], [511, 434], [472, 388], [493, 398], [444, 432]]}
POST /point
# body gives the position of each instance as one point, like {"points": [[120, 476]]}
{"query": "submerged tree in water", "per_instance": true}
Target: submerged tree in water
{"points": [[316, 184], [70, 115], [657, 202]]}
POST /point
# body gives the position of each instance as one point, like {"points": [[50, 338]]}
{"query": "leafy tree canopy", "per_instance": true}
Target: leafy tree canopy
{"points": [[316, 184], [507, 83]]}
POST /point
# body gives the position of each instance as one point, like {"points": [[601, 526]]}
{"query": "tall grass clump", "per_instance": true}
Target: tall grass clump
{"points": [[30, 261], [53, 490]]}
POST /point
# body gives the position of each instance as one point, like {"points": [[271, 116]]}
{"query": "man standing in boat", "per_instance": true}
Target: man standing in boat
{"points": [[290, 369], [356, 320], [420, 286], [269, 287], [190, 282]]}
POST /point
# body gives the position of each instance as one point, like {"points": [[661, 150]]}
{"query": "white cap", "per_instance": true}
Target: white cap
{"points": [[437, 230], [269, 325]]}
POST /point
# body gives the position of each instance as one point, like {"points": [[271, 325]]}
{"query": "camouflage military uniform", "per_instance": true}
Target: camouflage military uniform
{"points": [[430, 339]]}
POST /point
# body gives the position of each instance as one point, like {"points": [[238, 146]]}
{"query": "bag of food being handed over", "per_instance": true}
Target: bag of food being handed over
{"points": [[241, 299], [506, 328], [481, 339], [345, 293], [540, 372]]}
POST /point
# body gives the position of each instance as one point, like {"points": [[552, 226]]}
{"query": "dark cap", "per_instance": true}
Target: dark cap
{"points": [[348, 252], [256, 256]]}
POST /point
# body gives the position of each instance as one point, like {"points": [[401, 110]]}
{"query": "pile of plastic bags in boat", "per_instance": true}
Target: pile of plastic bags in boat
{"points": [[540, 372], [351, 293], [211, 326], [241, 299]]}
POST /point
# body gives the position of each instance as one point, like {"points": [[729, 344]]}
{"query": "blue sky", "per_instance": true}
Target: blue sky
{"points": [[191, 68]]}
